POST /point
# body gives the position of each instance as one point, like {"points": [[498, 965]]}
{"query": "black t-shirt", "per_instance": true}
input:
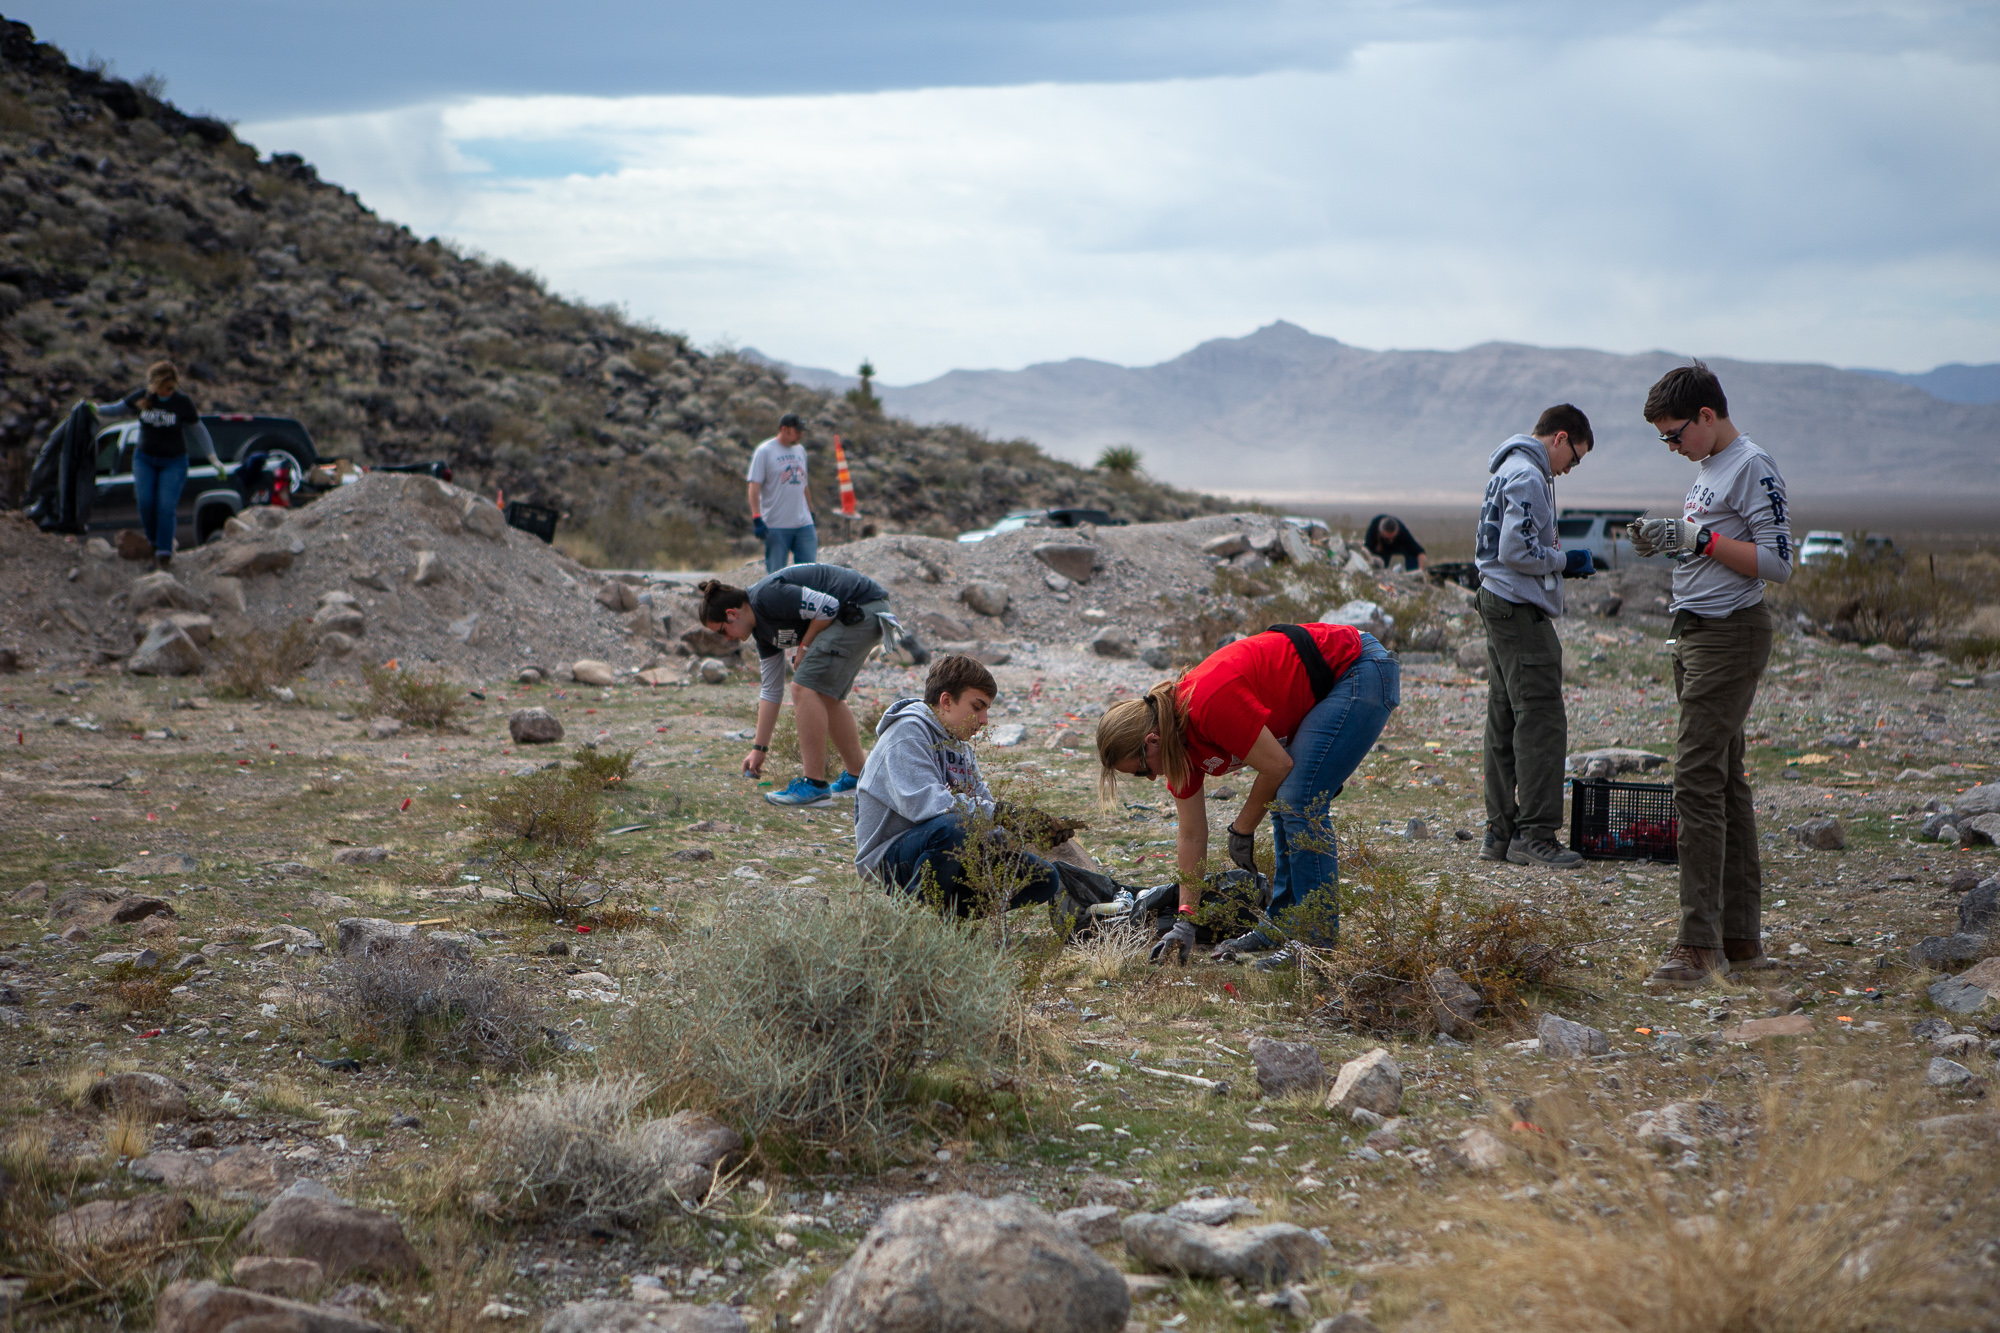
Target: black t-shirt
{"points": [[788, 601], [163, 422], [1402, 543]]}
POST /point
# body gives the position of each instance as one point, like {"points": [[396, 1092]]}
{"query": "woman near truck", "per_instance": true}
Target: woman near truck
{"points": [[1300, 705], [168, 425]]}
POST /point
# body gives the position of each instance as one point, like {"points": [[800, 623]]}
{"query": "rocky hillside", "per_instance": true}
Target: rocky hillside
{"points": [[131, 231]]}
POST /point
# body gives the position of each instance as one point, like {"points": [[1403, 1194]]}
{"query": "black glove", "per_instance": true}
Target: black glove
{"points": [[1243, 849], [1176, 943], [758, 527], [1578, 565]]}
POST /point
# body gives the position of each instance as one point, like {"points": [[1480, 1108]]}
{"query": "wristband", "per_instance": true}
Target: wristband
{"points": [[765, 748], [1185, 910]]}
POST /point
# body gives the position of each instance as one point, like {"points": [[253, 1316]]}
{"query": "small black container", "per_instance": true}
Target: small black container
{"points": [[538, 519], [1624, 821]]}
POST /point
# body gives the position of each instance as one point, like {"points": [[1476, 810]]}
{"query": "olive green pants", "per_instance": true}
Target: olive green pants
{"points": [[1717, 664], [1527, 728]]}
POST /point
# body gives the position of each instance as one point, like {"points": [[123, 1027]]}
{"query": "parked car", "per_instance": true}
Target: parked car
{"points": [[1823, 546], [210, 497], [1044, 518], [1602, 533]]}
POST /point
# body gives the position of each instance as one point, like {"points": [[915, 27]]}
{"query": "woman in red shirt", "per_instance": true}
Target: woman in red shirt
{"points": [[1303, 725]]}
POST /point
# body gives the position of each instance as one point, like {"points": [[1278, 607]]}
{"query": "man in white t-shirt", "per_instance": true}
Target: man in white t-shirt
{"points": [[780, 510]]}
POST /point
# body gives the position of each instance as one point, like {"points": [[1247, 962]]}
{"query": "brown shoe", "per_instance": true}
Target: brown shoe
{"points": [[1686, 967], [1747, 956]]}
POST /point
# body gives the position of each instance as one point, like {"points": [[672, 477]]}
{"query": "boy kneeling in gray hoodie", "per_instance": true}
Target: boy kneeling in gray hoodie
{"points": [[921, 798]]}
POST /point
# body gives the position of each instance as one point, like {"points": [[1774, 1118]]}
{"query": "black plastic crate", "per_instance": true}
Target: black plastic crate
{"points": [[1624, 821], [538, 519]]}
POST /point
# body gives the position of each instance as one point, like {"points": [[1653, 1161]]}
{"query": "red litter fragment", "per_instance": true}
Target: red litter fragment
{"points": [[583, 930], [152, 818], [1523, 1127], [1229, 987], [154, 1033], [406, 803], [589, 711], [243, 763]]}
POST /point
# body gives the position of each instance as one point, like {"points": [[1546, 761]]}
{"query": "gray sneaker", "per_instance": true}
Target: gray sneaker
{"points": [[1543, 852], [1494, 848]]}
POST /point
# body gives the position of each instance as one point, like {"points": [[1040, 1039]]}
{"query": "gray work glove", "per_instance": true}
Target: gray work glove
{"points": [[1176, 943], [1243, 849], [1673, 537]]}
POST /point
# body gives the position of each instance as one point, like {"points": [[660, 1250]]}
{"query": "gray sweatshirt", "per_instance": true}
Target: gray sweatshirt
{"points": [[1516, 545], [916, 772], [1740, 494]]}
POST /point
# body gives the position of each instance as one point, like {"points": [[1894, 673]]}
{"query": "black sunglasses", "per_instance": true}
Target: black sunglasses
{"points": [[1674, 436]]}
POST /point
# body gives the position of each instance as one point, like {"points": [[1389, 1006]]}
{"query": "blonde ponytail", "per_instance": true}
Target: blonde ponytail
{"points": [[1122, 732]]}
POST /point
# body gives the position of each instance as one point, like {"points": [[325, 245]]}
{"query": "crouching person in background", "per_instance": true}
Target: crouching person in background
{"points": [[921, 801]]}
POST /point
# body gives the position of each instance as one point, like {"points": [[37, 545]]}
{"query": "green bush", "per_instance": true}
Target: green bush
{"points": [[810, 1019], [251, 664], [540, 834], [600, 771], [418, 700]]}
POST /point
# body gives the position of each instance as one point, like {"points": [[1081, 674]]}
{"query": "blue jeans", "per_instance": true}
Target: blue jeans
{"points": [[934, 845], [1330, 744], [157, 485], [802, 544]]}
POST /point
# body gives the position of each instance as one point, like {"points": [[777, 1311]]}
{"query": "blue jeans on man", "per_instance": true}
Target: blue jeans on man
{"points": [[1331, 743], [801, 544], [936, 845], [157, 484]]}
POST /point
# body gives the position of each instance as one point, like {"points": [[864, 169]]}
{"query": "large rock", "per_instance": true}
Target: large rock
{"points": [[166, 651], [694, 1146], [707, 643], [1955, 995], [1978, 830], [246, 1171], [149, 1096], [1820, 835], [1979, 911], [279, 1277], [1292, 544], [1470, 654], [590, 671], [1111, 643], [1267, 1256], [242, 562], [334, 618], [1287, 1066], [194, 624], [985, 597], [344, 1239], [1363, 615], [617, 596], [367, 936], [1374, 1082], [938, 627], [643, 1317], [208, 1307], [1938, 952], [1480, 1149], [1570, 1041], [1073, 560], [1453, 1004], [974, 1265], [1980, 800], [113, 1224], [534, 726], [1093, 1224], [1680, 1125], [713, 670], [1226, 545], [429, 570], [155, 591]]}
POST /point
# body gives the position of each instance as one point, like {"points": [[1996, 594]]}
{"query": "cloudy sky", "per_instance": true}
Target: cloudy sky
{"points": [[936, 185]]}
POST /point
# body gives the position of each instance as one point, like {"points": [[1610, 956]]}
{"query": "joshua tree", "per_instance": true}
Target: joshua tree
{"points": [[1121, 459], [864, 397]]}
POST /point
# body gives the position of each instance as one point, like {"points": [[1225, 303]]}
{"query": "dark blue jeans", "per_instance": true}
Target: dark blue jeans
{"points": [[157, 484], [1331, 743], [801, 544], [935, 845]]}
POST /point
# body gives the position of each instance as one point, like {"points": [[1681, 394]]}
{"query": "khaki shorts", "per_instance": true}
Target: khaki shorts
{"points": [[834, 658]]}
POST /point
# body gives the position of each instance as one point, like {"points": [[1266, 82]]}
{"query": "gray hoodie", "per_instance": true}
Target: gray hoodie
{"points": [[916, 772], [1516, 545]]}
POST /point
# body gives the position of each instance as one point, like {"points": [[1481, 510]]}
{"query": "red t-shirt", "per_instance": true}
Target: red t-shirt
{"points": [[1252, 684]]}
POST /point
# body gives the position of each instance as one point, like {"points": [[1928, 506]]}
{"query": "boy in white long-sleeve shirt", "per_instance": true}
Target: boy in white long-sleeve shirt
{"points": [[1733, 536]]}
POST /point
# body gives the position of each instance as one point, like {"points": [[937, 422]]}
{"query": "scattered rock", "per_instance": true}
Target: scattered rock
{"points": [[1470, 654], [618, 596], [243, 562], [695, 1147], [343, 1238], [429, 569], [1480, 1149], [1980, 912], [713, 671], [1453, 1004], [643, 1317], [1820, 835], [1094, 1224], [1570, 1041], [1365, 616], [1373, 1082], [166, 651], [111, 1224], [1073, 561], [1225, 546], [159, 591], [590, 671], [974, 1265], [382, 728], [1266, 1256], [1213, 1212], [1955, 995], [1287, 1066], [207, 1307], [1111, 643], [1942, 1073], [368, 936], [149, 1096], [1757, 1029], [245, 1171], [160, 863], [1937, 952], [1095, 1188], [534, 726], [361, 856], [276, 1276], [987, 598]]}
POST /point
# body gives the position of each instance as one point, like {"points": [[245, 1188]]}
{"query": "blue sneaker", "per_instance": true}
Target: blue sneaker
{"points": [[844, 785], [803, 791]]}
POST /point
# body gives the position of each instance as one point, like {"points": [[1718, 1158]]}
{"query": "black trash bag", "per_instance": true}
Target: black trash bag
{"points": [[63, 482], [1082, 890], [1233, 901]]}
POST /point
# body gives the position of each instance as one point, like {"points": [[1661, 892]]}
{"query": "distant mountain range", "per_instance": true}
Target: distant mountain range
{"points": [[1288, 413]]}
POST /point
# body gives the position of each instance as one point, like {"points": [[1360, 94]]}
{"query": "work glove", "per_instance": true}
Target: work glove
{"points": [[1673, 537], [1176, 943], [760, 527], [1578, 565], [1243, 849]]}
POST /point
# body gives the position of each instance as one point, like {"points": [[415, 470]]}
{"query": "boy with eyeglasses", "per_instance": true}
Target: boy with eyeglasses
{"points": [[1733, 537]]}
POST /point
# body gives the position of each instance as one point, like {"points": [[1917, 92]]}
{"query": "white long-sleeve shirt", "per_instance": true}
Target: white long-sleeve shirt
{"points": [[1739, 494]]}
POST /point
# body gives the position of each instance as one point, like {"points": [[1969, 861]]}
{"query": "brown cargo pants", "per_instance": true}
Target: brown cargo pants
{"points": [[1527, 727], [1717, 664]]}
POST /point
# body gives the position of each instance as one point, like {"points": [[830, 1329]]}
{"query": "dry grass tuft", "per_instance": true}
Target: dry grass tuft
{"points": [[811, 1018], [579, 1153], [127, 1135], [283, 1096], [1815, 1236], [417, 700], [424, 1002], [250, 665]]}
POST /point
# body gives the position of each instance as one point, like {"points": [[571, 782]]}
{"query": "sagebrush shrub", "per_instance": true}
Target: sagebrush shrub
{"points": [[418, 700], [424, 1001], [578, 1152], [249, 665]]}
